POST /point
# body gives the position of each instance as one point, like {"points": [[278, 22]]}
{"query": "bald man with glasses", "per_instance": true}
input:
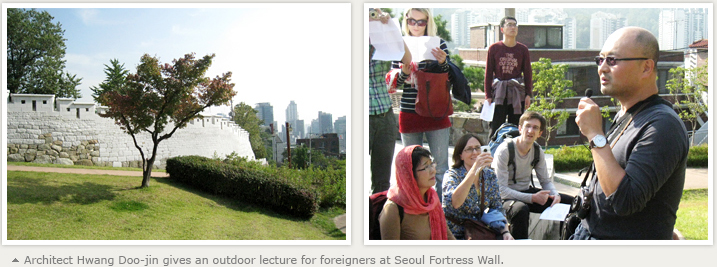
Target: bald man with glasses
{"points": [[640, 161]]}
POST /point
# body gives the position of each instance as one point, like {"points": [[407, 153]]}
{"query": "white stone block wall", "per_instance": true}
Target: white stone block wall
{"points": [[104, 143]]}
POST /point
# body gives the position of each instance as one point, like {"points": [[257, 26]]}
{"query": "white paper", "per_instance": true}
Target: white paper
{"points": [[387, 40], [486, 113], [421, 47], [555, 213]]}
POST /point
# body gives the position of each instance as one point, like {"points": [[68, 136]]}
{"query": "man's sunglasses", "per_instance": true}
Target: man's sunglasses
{"points": [[612, 61], [413, 22]]}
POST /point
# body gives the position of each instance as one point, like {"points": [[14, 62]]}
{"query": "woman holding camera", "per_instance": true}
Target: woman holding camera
{"points": [[413, 210], [461, 188], [413, 127]]}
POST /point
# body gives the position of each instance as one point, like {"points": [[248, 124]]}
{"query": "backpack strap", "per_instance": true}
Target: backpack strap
{"points": [[511, 159], [536, 158]]}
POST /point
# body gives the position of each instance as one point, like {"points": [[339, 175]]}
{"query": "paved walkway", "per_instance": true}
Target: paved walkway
{"points": [[83, 171]]}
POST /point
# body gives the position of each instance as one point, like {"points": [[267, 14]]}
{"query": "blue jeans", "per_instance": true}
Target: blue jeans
{"points": [[438, 145]]}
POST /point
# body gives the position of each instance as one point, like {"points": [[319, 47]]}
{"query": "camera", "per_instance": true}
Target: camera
{"points": [[373, 14], [581, 204], [485, 149]]}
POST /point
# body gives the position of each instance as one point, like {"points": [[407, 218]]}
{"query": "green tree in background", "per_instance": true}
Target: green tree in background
{"points": [[116, 77], [245, 117], [550, 87], [35, 52], [441, 28], [691, 86]]}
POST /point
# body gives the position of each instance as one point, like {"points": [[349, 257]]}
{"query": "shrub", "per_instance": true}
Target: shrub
{"points": [[698, 156], [568, 158], [245, 182], [574, 158], [328, 182]]}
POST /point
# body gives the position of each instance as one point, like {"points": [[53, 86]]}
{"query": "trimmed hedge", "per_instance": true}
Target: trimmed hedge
{"points": [[568, 158], [575, 158], [698, 156], [245, 183]]}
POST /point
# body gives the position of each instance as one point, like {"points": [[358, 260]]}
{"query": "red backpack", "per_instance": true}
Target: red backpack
{"points": [[375, 204]]}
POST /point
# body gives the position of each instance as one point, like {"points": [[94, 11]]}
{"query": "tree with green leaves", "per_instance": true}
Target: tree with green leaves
{"points": [[35, 55], [441, 28], [161, 98], [690, 85], [245, 117], [116, 78], [550, 88]]}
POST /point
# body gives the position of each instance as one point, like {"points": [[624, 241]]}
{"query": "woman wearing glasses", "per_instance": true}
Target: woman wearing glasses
{"points": [[413, 210], [461, 188], [413, 127]]}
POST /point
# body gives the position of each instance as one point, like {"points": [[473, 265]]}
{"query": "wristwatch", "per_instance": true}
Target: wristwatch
{"points": [[598, 141]]}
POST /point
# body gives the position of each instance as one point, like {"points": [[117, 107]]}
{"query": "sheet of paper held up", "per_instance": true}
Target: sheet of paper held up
{"points": [[556, 213], [486, 114], [421, 46], [387, 40]]}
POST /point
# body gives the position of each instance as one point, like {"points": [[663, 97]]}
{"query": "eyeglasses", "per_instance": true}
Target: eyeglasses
{"points": [[420, 22], [472, 149], [612, 61], [511, 25], [433, 165]]}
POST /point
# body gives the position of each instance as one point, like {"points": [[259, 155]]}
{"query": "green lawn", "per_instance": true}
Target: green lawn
{"points": [[54, 206], [692, 214]]}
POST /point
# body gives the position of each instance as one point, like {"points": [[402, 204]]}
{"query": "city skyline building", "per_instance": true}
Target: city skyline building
{"points": [[325, 122], [680, 27], [340, 128], [265, 112], [602, 25]]}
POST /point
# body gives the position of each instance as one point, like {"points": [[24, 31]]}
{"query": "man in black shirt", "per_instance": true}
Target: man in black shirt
{"points": [[641, 163]]}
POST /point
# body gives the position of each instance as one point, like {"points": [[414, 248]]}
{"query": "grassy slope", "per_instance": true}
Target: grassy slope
{"points": [[53, 206], [692, 214]]}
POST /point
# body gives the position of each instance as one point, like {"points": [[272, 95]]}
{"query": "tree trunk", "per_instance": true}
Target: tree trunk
{"points": [[147, 172]]}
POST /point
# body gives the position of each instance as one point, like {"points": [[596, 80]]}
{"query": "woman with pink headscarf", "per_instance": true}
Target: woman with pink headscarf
{"points": [[413, 210]]}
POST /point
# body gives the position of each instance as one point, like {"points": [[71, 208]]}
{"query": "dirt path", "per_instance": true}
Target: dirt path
{"points": [[83, 171]]}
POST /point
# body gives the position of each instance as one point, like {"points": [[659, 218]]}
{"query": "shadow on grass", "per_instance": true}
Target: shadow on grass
{"points": [[228, 202], [36, 190]]}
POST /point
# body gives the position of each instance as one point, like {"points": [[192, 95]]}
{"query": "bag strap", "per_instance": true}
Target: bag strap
{"points": [[482, 198], [511, 160]]}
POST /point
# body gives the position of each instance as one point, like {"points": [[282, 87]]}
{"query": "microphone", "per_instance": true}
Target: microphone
{"points": [[588, 93]]}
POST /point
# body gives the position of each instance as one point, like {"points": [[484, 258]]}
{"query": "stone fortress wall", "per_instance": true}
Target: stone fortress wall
{"points": [[45, 129]]}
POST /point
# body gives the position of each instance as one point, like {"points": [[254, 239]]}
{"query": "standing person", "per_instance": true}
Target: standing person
{"points": [[520, 198], [413, 210], [461, 189], [381, 120], [508, 76], [641, 164], [413, 127]]}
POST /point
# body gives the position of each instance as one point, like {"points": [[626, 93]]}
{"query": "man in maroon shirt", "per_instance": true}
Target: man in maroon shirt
{"points": [[508, 76]]}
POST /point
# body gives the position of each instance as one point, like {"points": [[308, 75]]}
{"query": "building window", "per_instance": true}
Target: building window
{"points": [[44, 102], [22, 101], [68, 109], [34, 105], [87, 109], [569, 128], [548, 37]]}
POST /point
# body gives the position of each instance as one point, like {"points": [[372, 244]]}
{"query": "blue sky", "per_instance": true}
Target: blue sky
{"points": [[276, 52]]}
